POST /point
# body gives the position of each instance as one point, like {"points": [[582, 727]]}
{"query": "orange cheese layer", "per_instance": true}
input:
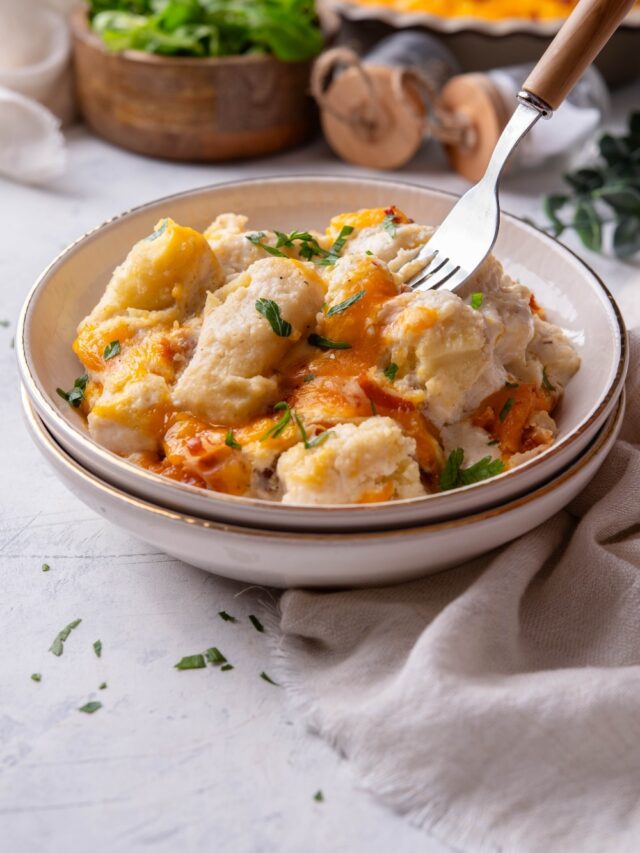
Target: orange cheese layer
{"points": [[491, 10]]}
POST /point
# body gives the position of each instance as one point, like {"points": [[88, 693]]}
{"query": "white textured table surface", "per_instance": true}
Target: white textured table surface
{"points": [[198, 760]]}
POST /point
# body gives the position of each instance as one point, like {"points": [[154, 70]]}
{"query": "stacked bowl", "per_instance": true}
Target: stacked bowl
{"points": [[340, 545]]}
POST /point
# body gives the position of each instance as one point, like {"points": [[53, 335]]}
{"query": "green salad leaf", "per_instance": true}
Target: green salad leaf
{"points": [[288, 29]]}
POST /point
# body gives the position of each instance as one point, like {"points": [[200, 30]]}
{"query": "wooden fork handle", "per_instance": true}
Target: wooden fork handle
{"points": [[580, 39]]}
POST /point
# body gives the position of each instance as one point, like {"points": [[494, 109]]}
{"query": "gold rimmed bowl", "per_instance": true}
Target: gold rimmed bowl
{"points": [[572, 294]]}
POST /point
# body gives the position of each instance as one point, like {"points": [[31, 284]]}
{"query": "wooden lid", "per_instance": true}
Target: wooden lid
{"points": [[373, 116], [477, 102]]}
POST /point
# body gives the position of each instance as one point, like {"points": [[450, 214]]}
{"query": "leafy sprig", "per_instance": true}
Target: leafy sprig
{"points": [[606, 193], [454, 476]]}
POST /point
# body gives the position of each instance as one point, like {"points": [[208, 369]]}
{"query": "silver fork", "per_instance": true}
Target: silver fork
{"points": [[467, 235]]}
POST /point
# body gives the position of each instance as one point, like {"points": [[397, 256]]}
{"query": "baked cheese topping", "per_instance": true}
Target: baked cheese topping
{"points": [[299, 368]]}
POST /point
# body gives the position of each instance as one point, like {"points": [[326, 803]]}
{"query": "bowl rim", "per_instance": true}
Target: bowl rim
{"points": [[41, 434], [82, 32], [110, 459], [543, 30]]}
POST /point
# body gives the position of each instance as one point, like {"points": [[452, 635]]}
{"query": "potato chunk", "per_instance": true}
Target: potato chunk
{"points": [[173, 268], [355, 464], [231, 375]]}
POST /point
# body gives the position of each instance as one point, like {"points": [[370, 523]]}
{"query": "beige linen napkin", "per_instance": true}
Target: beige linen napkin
{"points": [[496, 704]]}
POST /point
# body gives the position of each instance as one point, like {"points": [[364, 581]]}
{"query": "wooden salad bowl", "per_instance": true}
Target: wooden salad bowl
{"points": [[184, 108]]}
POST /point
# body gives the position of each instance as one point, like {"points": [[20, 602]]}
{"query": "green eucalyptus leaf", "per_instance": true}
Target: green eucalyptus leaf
{"points": [[585, 180], [588, 225], [612, 149], [552, 204], [626, 237], [623, 199]]}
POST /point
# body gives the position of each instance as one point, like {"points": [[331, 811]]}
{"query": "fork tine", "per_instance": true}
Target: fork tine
{"points": [[432, 278]]}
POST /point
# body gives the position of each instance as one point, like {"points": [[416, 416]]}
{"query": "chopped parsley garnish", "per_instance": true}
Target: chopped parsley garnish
{"points": [[390, 371], [326, 343], [103, 686], [309, 377], [389, 224], [347, 303], [57, 647], [76, 395], [511, 385], [159, 231], [191, 662], [36, 676], [318, 797], [309, 249], [226, 617], [504, 411], [280, 425], [230, 441], [492, 442], [545, 381], [338, 245], [226, 667], [309, 443], [368, 252], [97, 648], [256, 240], [453, 476], [476, 300], [111, 350], [90, 707], [265, 677], [257, 624], [215, 656], [271, 310], [46, 567]]}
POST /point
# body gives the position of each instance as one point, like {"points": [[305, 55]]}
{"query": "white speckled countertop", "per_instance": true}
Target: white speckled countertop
{"points": [[199, 760]]}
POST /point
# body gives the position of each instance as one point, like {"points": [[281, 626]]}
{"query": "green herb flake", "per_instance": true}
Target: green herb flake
{"points": [[191, 662], [390, 371], [546, 384], [90, 707], [76, 395], [57, 647], [492, 442], [280, 425], [226, 667], [265, 677], [257, 624], [271, 311], [476, 300], [318, 797], [103, 686], [111, 350], [326, 343], [36, 676], [309, 443], [226, 617], [46, 567], [159, 231], [454, 476], [369, 252], [215, 656], [309, 377], [97, 648], [347, 303], [256, 239], [230, 441], [511, 385], [504, 411], [389, 224]]}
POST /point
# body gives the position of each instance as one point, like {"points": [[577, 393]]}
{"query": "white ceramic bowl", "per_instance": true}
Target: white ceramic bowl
{"points": [[284, 559], [572, 294]]}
